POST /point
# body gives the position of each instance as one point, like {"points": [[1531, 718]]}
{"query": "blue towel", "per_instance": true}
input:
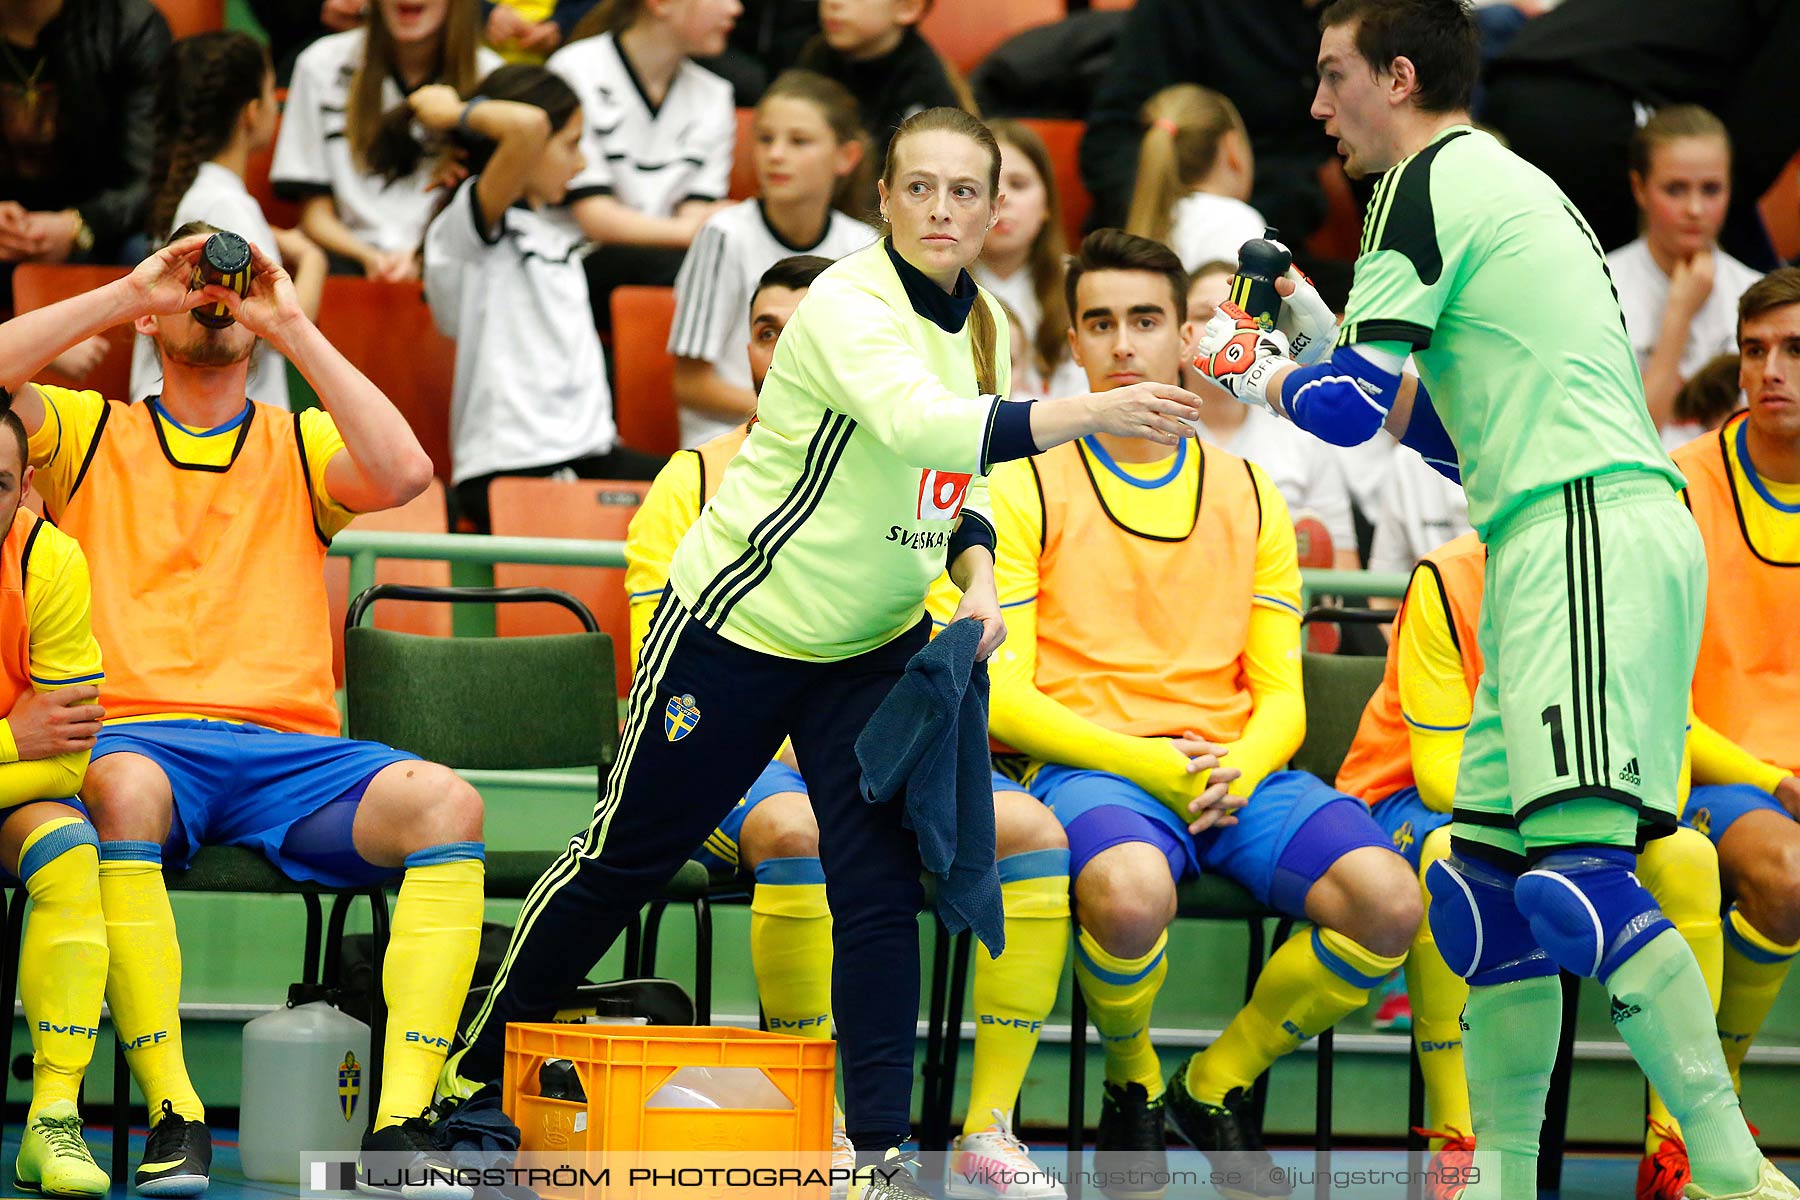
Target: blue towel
{"points": [[929, 739]]}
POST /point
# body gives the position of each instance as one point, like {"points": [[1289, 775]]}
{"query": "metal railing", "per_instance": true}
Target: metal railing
{"points": [[364, 548]]}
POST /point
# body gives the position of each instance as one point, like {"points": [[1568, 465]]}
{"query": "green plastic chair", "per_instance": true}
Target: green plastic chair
{"points": [[476, 703]]}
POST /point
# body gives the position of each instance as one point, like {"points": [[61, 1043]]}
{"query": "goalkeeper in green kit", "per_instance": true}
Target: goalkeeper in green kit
{"points": [[1476, 264]]}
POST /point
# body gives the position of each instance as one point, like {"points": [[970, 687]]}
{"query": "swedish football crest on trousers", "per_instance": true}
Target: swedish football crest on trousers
{"points": [[349, 1083], [680, 716]]}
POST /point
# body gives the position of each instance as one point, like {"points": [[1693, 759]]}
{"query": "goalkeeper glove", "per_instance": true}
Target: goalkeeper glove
{"points": [[1308, 321], [1240, 356]]}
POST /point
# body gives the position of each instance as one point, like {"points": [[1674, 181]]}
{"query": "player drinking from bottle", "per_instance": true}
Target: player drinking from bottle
{"points": [[1474, 262]]}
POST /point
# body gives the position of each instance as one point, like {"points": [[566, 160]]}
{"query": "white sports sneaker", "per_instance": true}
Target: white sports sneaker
{"points": [[993, 1165], [843, 1156], [1771, 1184]]}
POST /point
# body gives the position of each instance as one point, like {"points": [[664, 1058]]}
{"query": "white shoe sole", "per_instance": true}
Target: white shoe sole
{"points": [[174, 1185]]}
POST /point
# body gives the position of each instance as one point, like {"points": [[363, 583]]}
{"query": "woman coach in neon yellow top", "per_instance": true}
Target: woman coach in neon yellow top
{"points": [[797, 599]]}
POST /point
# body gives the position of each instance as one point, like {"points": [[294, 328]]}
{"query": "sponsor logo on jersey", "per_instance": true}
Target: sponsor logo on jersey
{"points": [[680, 716], [919, 539], [941, 494]]}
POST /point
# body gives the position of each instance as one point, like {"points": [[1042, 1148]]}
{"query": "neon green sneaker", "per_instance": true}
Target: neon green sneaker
{"points": [[452, 1086], [54, 1160]]}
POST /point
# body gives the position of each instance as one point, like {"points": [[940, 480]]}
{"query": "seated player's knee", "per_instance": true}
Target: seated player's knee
{"points": [[1478, 928], [1023, 823], [1371, 897], [127, 797], [1768, 889], [457, 809], [1125, 900], [1588, 910], [778, 826], [1682, 872]]}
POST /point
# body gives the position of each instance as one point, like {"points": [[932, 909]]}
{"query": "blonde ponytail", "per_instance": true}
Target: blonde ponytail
{"points": [[984, 339], [1183, 126]]}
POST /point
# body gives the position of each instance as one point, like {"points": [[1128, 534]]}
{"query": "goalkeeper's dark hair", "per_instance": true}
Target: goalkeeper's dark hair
{"points": [[1777, 289], [10, 420], [397, 151], [795, 272], [1116, 250], [1437, 36]]}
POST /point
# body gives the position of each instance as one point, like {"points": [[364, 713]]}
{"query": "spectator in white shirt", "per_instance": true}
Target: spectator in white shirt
{"points": [[1193, 177], [1302, 468], [342, 85], [1022, 263], [1678, 289], [530, 394], [657, 137], [810, 152]]}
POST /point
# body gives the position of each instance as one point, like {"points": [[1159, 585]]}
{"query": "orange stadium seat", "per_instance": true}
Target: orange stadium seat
{"points": [[282, 214], [743, 171], [424, 514], [1062, 138], [1780, 207], [643, 369], [1104, 5], [965, 31], [386, 330], [583, 508], [187, 17], [37, 285]]}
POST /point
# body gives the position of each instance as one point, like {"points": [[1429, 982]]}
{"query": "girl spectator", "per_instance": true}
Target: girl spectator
{"points": [[1678, 289], [1193, 177], [658, 136], [530, 394], [342, 84], [809, 152], [1022, 263], [216, 107]]}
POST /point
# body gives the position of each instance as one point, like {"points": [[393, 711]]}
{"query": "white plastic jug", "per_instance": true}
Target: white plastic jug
{"points": [[305, 1085]]}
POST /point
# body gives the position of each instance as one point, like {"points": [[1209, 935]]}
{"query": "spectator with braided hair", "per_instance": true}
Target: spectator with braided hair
{"points": [[215, 107]]}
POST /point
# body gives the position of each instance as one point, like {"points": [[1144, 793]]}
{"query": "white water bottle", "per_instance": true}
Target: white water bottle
{"points": [[306, 1080]]}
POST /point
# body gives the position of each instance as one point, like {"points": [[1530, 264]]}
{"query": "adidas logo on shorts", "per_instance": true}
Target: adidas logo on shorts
{"points": [[1622, 1011], [1629, 773]]}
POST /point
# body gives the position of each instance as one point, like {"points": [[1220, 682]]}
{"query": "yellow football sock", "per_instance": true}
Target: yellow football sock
{"points": [[62, 957], [790, 946], [430, 957], [1438, 995], [1755, 965], [143, 974], [1318, 977], [1682, 872], [1015, 992], [1120, 993]]}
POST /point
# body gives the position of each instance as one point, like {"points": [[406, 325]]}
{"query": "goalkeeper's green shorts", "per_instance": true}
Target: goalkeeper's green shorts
{"points": [[1590, 624]]}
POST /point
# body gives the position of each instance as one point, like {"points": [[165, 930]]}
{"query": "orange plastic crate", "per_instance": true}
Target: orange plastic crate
{"points": [[622, 1066]]}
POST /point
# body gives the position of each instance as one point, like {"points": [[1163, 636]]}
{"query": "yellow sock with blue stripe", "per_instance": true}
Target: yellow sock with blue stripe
{"points": [[62, 957], [790, 946], [1120, 993], [1438, 995], [1317, 978], [1682, 872], [1755, 965], [1015, 992], [143, 974], [430, 958]]}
